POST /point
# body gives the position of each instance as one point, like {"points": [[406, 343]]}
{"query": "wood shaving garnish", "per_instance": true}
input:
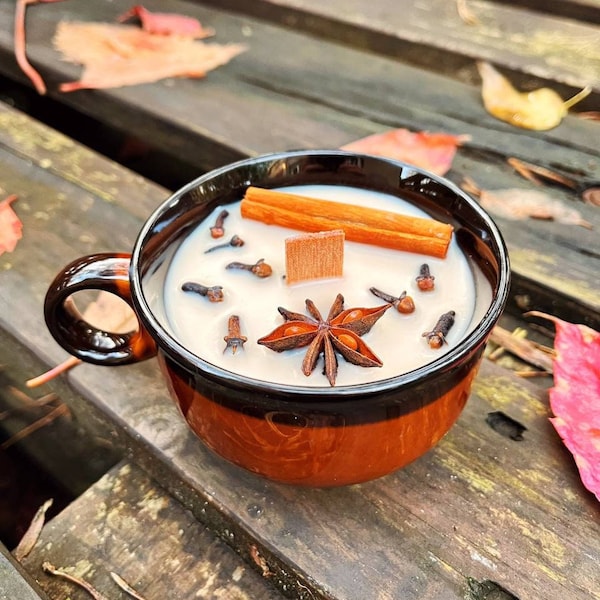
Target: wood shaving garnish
{"points": [[314, 256]]}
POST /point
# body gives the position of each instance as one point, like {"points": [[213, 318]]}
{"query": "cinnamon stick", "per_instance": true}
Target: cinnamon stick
{"points": [[359, 223]]}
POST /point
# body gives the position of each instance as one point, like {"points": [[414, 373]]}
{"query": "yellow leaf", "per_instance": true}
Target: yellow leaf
{"points": [[540, 110]]}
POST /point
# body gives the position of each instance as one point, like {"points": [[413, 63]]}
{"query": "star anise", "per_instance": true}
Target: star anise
{"points": [[340, 332]]}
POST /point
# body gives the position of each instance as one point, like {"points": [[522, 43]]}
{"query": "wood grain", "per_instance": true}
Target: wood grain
{"points": [[477, 506], [128, 525]]}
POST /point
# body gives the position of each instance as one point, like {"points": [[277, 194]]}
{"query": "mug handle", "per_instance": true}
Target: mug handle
{"points": [[104, 272]]}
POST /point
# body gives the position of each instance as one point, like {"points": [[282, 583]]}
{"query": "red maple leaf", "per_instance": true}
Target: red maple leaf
{"points": [[10, 225], [432, 151], [575, 397]]}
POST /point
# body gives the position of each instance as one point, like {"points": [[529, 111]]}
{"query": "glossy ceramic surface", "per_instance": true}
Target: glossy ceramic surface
{"points": [[301, 435]]}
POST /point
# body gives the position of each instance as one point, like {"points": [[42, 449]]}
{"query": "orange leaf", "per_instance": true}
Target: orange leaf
{"points": [[575, 397], [119, 55], [539, 110], [167, 23], [10, 225], [431, 151]]}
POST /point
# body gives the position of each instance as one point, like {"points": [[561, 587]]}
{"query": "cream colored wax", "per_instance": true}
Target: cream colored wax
{"points": [[396, 339]]}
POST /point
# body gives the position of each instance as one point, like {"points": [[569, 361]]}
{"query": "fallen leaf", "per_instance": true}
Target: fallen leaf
{"points": [[518, 204], [431, 151], [167, 23], [575, 397], [540, 110], [11, 227], [120, 55], [534, 172], [32, 534]]}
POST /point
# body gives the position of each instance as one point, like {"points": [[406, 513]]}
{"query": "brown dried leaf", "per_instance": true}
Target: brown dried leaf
{"points": [[525, 349], [539, 110], [518, 204], [120, 55], [534, 172], [30, 538]]}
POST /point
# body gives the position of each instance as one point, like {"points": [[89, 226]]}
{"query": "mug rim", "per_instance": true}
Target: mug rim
{"points": [[168, 343]]}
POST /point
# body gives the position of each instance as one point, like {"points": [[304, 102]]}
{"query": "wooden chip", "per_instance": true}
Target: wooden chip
{"points": [[314, 256]]}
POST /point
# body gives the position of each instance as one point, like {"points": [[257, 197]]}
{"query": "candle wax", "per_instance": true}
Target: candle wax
{"points": [[396, 339]]}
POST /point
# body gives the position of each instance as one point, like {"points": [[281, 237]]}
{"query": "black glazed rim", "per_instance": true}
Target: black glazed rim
{"points": [[255, 171]]}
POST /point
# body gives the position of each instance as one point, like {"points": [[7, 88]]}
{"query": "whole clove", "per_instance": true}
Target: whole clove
{"points": [[218, 230], [437, 336], [236, 242], [403, 304], [260, 268], [425, 280], [234, 338], [213, 293]]}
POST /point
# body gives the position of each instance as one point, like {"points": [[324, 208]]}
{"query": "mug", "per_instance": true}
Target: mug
{"points": [[297, 434]]}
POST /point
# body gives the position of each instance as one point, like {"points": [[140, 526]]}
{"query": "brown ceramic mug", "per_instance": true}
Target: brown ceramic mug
{"points": [[315, 436]]}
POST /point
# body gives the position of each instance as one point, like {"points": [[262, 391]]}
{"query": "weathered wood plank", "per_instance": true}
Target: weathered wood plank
{"points": [[315, 94], [530, 525], [70, 455], [536, 47], [15, 582], [222, 118], [128, 525]]}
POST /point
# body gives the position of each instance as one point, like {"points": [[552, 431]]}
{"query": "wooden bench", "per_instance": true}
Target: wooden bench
{"points": [[293, 90], [127, 525], [479, 507]]}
